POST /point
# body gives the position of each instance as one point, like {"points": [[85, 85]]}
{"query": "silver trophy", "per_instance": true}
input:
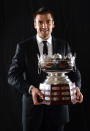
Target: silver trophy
{"points": [[57, 88]]}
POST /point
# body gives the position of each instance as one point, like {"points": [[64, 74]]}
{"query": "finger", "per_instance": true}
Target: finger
{"points": [[40, 94], [81, 98], [77, 93], [35, 100], [38, 98], [36, 93]]}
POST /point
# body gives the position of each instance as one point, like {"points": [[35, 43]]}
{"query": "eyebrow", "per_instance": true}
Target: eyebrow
{"points": [[47, 20]]}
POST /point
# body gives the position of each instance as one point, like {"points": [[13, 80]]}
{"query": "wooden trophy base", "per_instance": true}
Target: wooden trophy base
{"points": [[58, 94]]}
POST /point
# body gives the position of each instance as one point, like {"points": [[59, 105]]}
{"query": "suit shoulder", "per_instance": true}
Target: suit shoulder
{"points": [[27, 42], [62, 41]]}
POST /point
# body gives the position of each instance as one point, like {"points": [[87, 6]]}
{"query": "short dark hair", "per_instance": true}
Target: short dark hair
{"points": [[42, 11]]}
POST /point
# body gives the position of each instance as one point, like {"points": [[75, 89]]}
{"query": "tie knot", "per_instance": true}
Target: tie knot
{"points": [[45, 49], [44, 42]]}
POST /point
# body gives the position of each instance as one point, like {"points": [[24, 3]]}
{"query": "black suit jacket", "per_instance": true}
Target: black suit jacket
{"points": [[23, 72]]}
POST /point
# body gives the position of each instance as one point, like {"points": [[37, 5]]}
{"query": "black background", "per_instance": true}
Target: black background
{"points": [[72, 22]]}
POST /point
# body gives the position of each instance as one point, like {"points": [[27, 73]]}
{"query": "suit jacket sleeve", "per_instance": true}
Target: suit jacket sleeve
{"points": [[16, 70]]}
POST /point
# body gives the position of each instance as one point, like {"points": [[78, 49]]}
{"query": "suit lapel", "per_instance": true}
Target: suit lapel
{"points": [[36, 46], [54, 44]]}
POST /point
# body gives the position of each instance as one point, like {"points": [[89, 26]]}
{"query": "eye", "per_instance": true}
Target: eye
{"points": [[49, 21], [40, 22]]}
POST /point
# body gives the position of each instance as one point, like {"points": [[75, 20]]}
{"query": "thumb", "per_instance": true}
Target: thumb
{"points": [[40, 94]]}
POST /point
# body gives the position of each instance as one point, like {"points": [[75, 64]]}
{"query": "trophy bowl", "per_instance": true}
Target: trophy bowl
{"points": [[57, 87]]}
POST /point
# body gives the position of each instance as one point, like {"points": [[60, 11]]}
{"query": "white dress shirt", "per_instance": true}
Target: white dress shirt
{"points": [[49, 45]]}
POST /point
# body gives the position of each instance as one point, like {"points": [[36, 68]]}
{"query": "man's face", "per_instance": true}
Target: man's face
{"points": [[44, 24]]}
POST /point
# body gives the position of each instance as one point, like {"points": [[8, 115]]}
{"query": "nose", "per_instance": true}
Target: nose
{"points": [[44, 25]]}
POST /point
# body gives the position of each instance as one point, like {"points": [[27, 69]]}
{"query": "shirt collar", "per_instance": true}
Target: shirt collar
{"points": [[39, 40]]}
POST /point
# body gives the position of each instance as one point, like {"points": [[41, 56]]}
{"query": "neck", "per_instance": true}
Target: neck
{"points": [[45, 37]]}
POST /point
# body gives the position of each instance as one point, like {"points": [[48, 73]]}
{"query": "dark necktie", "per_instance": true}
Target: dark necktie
{"points": [[45, 49]]}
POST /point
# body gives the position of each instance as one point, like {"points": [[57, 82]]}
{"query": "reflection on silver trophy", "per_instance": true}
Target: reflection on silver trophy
{"points": [[57, 87]]}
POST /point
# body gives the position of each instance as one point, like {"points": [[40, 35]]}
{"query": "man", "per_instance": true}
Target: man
{"points": [[23, 75]]}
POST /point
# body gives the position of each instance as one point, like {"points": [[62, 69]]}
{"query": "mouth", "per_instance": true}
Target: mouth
{"points": [[44, 30]]}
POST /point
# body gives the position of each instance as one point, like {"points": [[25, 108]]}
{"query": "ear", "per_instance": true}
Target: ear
{"points": [[35, 25], [53, 24]]}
